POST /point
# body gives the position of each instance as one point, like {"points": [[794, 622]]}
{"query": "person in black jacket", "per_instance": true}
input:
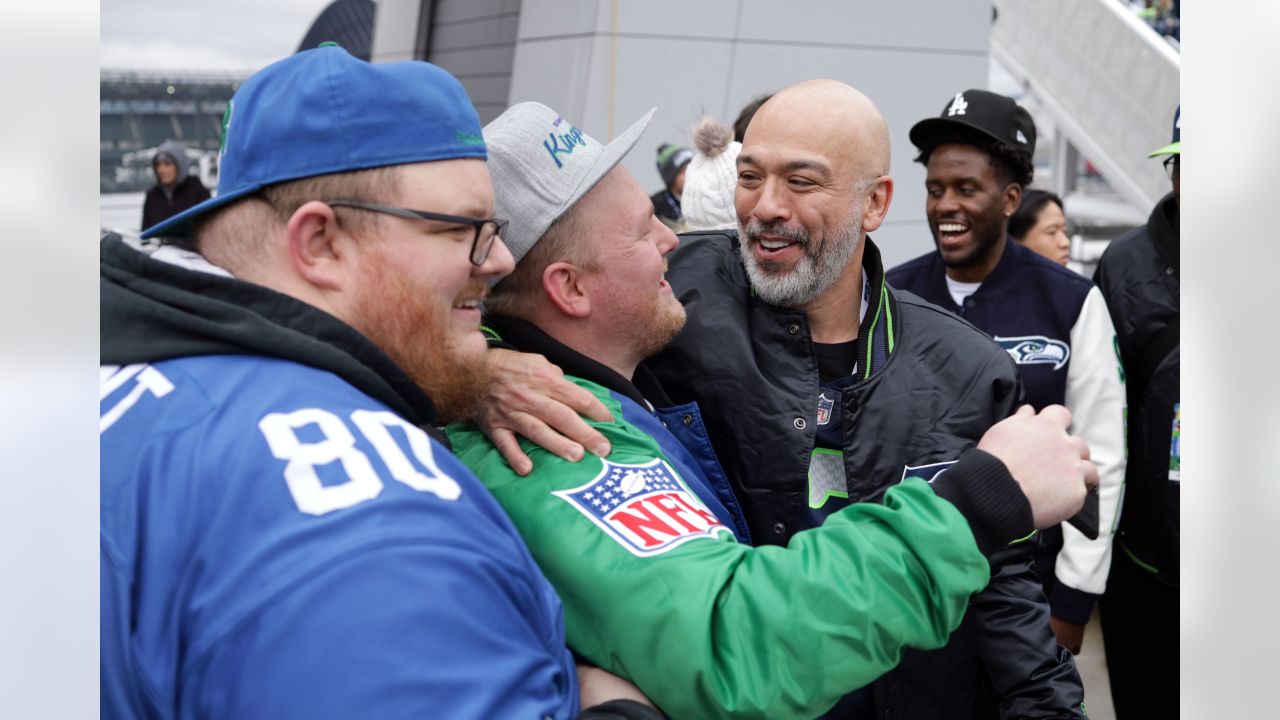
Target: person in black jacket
{"points": [[587, 293], [1138, 274], [820, 386], [1053, 322], [175, 191]]}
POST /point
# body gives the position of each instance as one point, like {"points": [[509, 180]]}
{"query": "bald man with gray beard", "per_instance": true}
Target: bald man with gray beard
{"points": [[822, 386]]}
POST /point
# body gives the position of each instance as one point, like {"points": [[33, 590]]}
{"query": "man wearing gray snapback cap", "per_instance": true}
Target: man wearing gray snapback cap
{"points": [[649, 547], [280, 535]]}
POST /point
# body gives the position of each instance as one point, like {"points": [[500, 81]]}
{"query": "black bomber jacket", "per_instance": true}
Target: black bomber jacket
{"points": [[932, 385], [1138, 276]]}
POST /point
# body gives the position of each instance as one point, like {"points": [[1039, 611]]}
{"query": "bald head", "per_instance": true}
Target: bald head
{"points": [[826, 114], [813, 179]]}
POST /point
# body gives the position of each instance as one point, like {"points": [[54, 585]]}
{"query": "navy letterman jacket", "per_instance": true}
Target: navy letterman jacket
{"points": [[929, 385], [1055, 325]]}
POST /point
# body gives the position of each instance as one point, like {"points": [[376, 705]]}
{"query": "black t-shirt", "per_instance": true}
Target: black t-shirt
{"points": [[836, 360]]}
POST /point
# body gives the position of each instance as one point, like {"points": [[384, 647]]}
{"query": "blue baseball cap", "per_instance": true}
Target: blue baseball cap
{"points": [[323, 111]]}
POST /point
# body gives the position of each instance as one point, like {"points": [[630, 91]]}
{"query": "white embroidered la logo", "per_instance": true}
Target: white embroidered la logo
{"points": [[958, 105]]}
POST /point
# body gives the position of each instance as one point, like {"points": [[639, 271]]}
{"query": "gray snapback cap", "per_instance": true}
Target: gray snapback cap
{"points": [[541, 165]]}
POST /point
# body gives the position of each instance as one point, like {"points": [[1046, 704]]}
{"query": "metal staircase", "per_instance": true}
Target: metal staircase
{"points": [[1108, 81]]}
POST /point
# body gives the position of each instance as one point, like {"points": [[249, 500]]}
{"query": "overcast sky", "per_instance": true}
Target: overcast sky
{"points": [[202, 34]]}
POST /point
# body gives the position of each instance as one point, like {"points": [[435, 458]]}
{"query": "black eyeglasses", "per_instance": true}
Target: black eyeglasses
{"points": [[486, 229], [1171, 166]]}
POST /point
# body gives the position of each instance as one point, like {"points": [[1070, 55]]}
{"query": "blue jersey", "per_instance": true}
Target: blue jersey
{"points": [[276, 543]]}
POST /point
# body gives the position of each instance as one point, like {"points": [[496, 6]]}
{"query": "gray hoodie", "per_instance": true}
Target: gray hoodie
{"points": [[178, 153]]}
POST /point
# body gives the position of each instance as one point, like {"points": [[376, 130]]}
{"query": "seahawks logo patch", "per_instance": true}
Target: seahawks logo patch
{"points": [[1036, 350]]}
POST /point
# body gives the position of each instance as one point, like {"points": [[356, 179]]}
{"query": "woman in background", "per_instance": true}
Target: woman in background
{"points": [[1040, 224]]}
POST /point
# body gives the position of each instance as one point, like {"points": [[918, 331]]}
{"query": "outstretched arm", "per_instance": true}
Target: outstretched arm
{"points": [[529, 397], [656, 590]]}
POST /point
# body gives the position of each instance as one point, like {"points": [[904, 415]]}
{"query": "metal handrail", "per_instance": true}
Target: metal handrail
{"points": [[1108, 80]]}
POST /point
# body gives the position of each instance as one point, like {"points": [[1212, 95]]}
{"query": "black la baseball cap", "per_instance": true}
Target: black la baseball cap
{"points": [[991, 114]]}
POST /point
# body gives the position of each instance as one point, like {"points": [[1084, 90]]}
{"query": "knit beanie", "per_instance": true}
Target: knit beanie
{"points": [[711, 178], [670, 159]]}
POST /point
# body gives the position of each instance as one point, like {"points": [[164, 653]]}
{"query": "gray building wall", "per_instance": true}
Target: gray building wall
{"points": [[603, 63], [473, 39]]}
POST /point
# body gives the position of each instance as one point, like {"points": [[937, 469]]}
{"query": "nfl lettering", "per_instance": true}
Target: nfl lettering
{"points": [[645, 507]]}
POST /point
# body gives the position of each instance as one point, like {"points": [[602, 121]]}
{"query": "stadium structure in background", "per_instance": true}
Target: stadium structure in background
{"points": [[1098, 80], [139, 110]]}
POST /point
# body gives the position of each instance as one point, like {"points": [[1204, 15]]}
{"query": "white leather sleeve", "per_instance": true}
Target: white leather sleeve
{"points": [[1096, 397]]}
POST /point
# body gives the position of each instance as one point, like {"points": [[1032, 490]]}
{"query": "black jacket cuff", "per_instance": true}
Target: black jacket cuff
{"points": [[1071, 604], [980, 486]]}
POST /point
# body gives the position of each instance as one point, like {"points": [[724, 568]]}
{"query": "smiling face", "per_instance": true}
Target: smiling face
{"points": [[628, 291], [418, 295], [1048, 236], [803, 179], [968, 209]]}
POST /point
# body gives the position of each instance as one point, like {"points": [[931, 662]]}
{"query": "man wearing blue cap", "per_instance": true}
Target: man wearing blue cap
{"points": [[1138, 274], [280, 536]]}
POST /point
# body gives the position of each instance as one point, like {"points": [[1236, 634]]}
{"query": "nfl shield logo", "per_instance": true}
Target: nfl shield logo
{"points": [[824, 409], [646, 508]]}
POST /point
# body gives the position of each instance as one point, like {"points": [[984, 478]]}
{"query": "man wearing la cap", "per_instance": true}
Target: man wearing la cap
{"points": [[279, 535], [1053, 322], [748, 368], [1139, 276], [649, 547]]}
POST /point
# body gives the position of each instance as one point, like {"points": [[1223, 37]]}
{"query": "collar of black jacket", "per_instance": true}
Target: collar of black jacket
{"points": [[877, 335], [153, 311], [527, 337]]}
